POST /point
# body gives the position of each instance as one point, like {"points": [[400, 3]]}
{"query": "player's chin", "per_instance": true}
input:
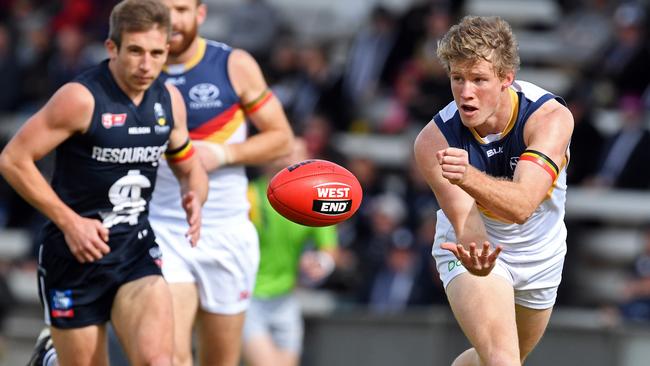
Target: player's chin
{"points": [[176, 47], [142, 84]]}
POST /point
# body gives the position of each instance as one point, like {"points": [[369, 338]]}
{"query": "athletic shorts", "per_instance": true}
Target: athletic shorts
{"points": [[535, 282], [278, 317], [75, 295], [223, 264]]}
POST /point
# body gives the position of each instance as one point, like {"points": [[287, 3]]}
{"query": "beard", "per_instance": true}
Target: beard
{"points": [[178, 47]]}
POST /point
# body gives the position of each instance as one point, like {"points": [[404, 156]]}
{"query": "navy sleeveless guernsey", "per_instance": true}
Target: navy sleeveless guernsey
{"points": [[109, 172]]}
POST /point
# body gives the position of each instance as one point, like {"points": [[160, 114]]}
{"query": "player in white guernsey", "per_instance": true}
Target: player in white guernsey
{"points": [[496, 160], [212, 283]]}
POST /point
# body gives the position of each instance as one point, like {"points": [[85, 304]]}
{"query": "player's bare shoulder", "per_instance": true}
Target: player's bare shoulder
{"points": [[552, 118], [71, 107], [245, 74], [178, 104]]}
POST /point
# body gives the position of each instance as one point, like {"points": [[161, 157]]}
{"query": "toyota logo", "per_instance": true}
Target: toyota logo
{"points": [[203, 93]]}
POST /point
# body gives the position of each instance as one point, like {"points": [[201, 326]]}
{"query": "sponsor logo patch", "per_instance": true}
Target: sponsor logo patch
{"points": [[61, 302], [143, 130], [204, 95], [110, 120]]}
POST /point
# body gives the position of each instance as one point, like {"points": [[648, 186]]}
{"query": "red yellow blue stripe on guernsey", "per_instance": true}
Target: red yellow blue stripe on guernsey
{"points": [[214, 110], [215, 114]]}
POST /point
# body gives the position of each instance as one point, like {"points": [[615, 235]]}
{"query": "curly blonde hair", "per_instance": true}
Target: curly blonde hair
{"points": [[478, 38]]}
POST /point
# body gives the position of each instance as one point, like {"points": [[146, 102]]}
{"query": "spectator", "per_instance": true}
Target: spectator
{"points": [[402, 281], [622, 68], [69, 58], [586, 141], [623, 161], [367, 57], [635, 305], [253, 26], [8, 70]]}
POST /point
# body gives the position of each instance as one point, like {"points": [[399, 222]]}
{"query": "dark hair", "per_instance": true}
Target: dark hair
{"points": [[138, 16]]}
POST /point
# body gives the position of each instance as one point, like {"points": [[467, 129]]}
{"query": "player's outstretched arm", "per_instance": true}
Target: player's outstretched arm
{"points": [[547, 136], [186, 167], [459, 207], [68, 112]]}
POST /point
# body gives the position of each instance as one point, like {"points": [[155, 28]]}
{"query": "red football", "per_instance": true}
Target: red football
{"points": [[315, 193]]}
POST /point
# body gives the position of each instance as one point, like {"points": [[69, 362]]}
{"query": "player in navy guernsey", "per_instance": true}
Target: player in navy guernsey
{"points": [[496, 159], [99, 261]]}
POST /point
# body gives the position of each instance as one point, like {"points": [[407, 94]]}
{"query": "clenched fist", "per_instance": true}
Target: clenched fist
{"points": [[454, 163]]}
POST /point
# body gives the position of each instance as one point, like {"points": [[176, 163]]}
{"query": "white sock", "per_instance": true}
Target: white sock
{"points": [[50, 358]]}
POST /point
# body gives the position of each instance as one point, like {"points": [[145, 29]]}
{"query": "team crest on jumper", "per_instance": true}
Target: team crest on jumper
{"points": [[513, 162], [113, 120], [161, 120]]}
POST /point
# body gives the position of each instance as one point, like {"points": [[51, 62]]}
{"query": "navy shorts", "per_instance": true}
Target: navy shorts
{"points": [[75, 295]]}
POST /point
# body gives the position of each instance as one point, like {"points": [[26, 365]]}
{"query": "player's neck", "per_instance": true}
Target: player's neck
{"points": [[186, 55], [499, 120]]}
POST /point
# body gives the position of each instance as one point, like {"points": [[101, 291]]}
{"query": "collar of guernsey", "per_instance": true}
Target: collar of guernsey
{"points": [[177, 69], [514, 112]]}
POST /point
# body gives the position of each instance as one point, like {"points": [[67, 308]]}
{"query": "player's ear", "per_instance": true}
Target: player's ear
{"points": [[111, 48], [201, 13], [508, 79]]}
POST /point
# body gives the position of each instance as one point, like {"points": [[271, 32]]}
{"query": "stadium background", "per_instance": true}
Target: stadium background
{"points": [[358, 80]]}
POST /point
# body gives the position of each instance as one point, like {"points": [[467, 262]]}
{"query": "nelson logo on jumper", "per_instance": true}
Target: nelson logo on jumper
{"points": [[332, 198], [204, 95], [113, 120]]}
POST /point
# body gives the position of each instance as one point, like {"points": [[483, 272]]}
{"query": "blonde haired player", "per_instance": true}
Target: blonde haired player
{"points": [[212, 284], [495, 157]]}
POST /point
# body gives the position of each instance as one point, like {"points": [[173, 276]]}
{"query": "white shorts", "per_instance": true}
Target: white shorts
{"points": [[535, 282], [280, 318], [223, 264]]}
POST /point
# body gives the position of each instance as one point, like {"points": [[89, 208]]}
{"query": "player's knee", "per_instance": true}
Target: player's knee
{"points": [[159, 360], [183, 359], [501, 358]]}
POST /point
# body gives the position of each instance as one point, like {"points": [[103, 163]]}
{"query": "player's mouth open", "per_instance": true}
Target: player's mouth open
{"points": [[468, 108]]}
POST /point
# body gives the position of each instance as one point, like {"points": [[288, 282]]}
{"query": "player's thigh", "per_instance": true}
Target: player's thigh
{"points": [[226, 268], [81, 346], [273, 331], [185, 300], [143, 319], [485, 310], [219, 338], [531, 324], [261, 350]]}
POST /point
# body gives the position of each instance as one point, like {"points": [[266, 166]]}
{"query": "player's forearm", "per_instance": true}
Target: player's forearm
{"points": [[29, 183], [472, 229], [506, 199], [262, 148], [196, 180]]}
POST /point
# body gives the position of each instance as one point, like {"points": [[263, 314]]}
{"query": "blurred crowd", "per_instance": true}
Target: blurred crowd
{"points": [[383, 79]]}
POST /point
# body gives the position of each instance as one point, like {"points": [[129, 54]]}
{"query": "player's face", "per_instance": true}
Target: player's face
{"points": [[186, 17], [477, 91], [140, 58]]}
